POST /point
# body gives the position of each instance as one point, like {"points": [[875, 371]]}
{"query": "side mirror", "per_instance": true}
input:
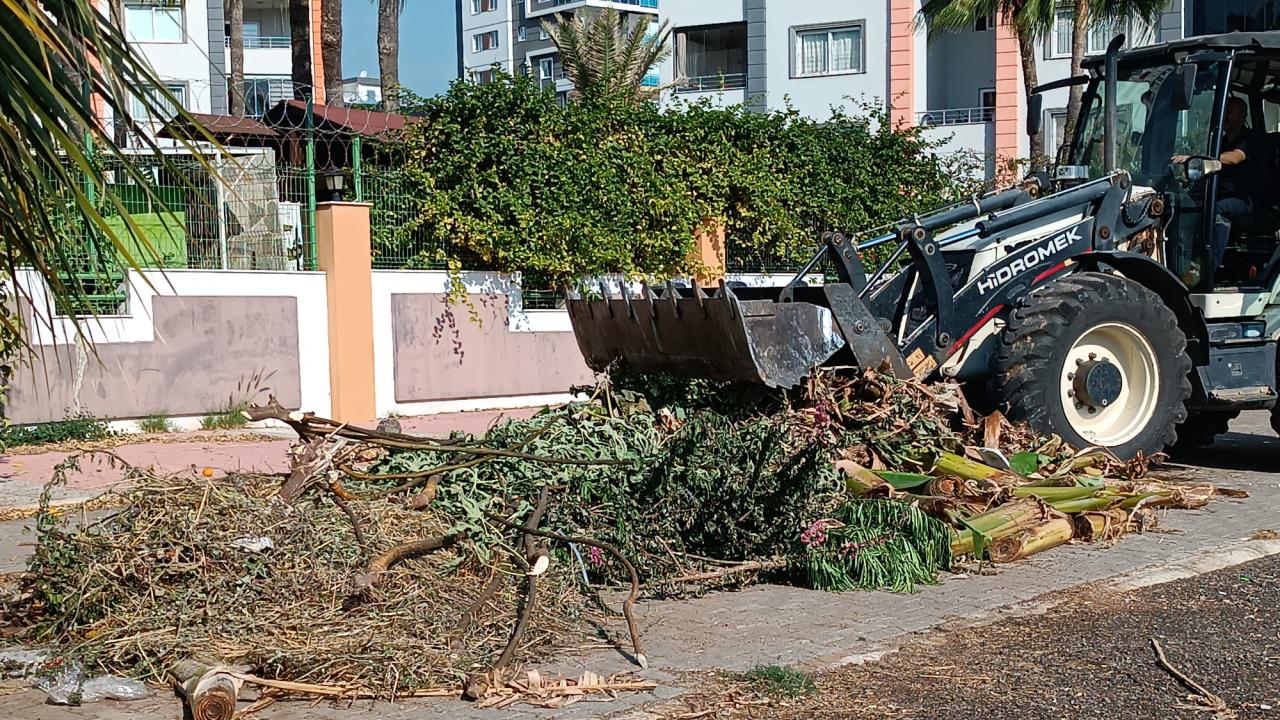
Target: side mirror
{"points": [[1185, 89], [1199, 168], [1035, 115]]}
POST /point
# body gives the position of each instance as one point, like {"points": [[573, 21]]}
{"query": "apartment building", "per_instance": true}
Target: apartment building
{"points": [[508, 34], [965, 88], [187, 43]]}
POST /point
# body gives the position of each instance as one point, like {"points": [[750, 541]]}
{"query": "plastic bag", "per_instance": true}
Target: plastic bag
{"points": [[68, 686], [21, 662]]}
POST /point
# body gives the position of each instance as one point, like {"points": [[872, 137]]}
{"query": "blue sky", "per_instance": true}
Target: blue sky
{"points": [[428, 42]]}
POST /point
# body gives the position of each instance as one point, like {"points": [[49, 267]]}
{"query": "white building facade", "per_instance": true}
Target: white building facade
{"points": [[964, 87], [187, 44]]}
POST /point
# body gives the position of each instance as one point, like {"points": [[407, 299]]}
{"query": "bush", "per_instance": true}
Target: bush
{"points": [[509, 180], [228, 418], [75, 427], [156, 424]]}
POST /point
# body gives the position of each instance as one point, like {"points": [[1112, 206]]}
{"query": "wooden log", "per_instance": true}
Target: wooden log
{"points": [[1048, 534], [1100, 525], [211, 692]]}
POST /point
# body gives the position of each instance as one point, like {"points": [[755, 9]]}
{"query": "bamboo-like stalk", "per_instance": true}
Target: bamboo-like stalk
{"points": [[1048, 534], [951, 464], [1095, 526], [1008, 519], [857, 479], [1057, 494]]}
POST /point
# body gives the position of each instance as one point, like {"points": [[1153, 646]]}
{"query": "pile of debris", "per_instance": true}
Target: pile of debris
{"points": [[387, 565]]}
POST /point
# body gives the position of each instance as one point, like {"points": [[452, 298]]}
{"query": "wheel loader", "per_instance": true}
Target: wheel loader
{"points": [[1088, 300]]}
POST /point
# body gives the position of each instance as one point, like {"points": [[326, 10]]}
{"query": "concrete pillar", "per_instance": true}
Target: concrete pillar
{"points": [[709, 252], [902, 63], [344, 253], [1009, 126]]}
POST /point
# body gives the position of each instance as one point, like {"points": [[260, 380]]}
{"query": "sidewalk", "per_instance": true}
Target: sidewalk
{"points": [[785, 625], [23, 476]]}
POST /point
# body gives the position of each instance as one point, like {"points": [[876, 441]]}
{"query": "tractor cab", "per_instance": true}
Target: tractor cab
{"points": [[1174, 128]]}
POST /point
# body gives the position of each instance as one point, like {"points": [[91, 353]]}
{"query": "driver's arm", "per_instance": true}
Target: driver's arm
{"points": [[1233, 157]]}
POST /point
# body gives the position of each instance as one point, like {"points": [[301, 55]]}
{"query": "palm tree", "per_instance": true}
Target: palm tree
{"points": [[603, 57], [300, 46], [120, 125], [1093, 14], [58, 59], [235, 16], [1030, 20], [331, 50], [389, 52], [1033, 20]]}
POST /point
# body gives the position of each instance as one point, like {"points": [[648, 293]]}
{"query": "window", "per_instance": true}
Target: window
{"points": [[827, 51], [711, 58], [483, 6], [484, 41], [1064, 20], [983, 23], [1056, 123], [1100, 36], [522, 33], [987, 102], [370, 95], [484, 77], [156, 106], [546, 68], [542, 33], [159, 21], [263, 93]]}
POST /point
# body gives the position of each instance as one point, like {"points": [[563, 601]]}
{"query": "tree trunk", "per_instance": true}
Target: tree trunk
{"points": [[1027, 48], [300, 43], [331, 50], [120, 131], [1079, 42], [235, 93], [389, 52]]}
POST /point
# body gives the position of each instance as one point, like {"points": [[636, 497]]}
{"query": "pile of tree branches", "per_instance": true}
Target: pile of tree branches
{"points": [[385, 563]]}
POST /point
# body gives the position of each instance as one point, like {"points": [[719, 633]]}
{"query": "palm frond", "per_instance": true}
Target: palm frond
{"points": [[62, 63]]}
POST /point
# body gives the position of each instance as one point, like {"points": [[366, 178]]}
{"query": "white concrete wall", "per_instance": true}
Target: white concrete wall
{"points": [[814, 96], [267, 61], [137, 325]]}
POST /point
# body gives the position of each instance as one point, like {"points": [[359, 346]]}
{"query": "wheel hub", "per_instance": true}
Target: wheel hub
{"points": [[1098, 383]]}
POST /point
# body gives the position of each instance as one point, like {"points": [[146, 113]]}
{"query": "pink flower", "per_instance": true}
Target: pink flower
{"points": [[595, 556], [815, 535]]}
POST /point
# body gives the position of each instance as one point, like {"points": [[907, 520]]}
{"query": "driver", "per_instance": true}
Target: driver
{"points": [[1235, 182]]}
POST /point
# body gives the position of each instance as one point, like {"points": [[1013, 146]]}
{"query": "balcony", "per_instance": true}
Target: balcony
{"points": [[536, 8], [955, 116], [263, 43], [711, 83]]}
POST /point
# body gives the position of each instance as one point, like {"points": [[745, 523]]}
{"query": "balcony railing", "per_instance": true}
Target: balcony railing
{"points": [[637, 3], [264, 42], [705, 83], [955, 116]]}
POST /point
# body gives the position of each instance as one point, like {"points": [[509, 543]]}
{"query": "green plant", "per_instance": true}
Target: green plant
{"points": [[506, 179], [779, 681], [228, 418], [157, 423], [603, 57], [74, 427]]}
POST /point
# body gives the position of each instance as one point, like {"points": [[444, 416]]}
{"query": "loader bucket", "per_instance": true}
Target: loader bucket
{"points": [[742, 335]]}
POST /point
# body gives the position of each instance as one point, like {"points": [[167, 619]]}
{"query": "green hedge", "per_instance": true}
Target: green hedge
{"points": [[501, 173]]}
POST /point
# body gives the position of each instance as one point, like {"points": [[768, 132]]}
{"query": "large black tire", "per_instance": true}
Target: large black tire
{"points": [[1202, 428], [1059, 323]]}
